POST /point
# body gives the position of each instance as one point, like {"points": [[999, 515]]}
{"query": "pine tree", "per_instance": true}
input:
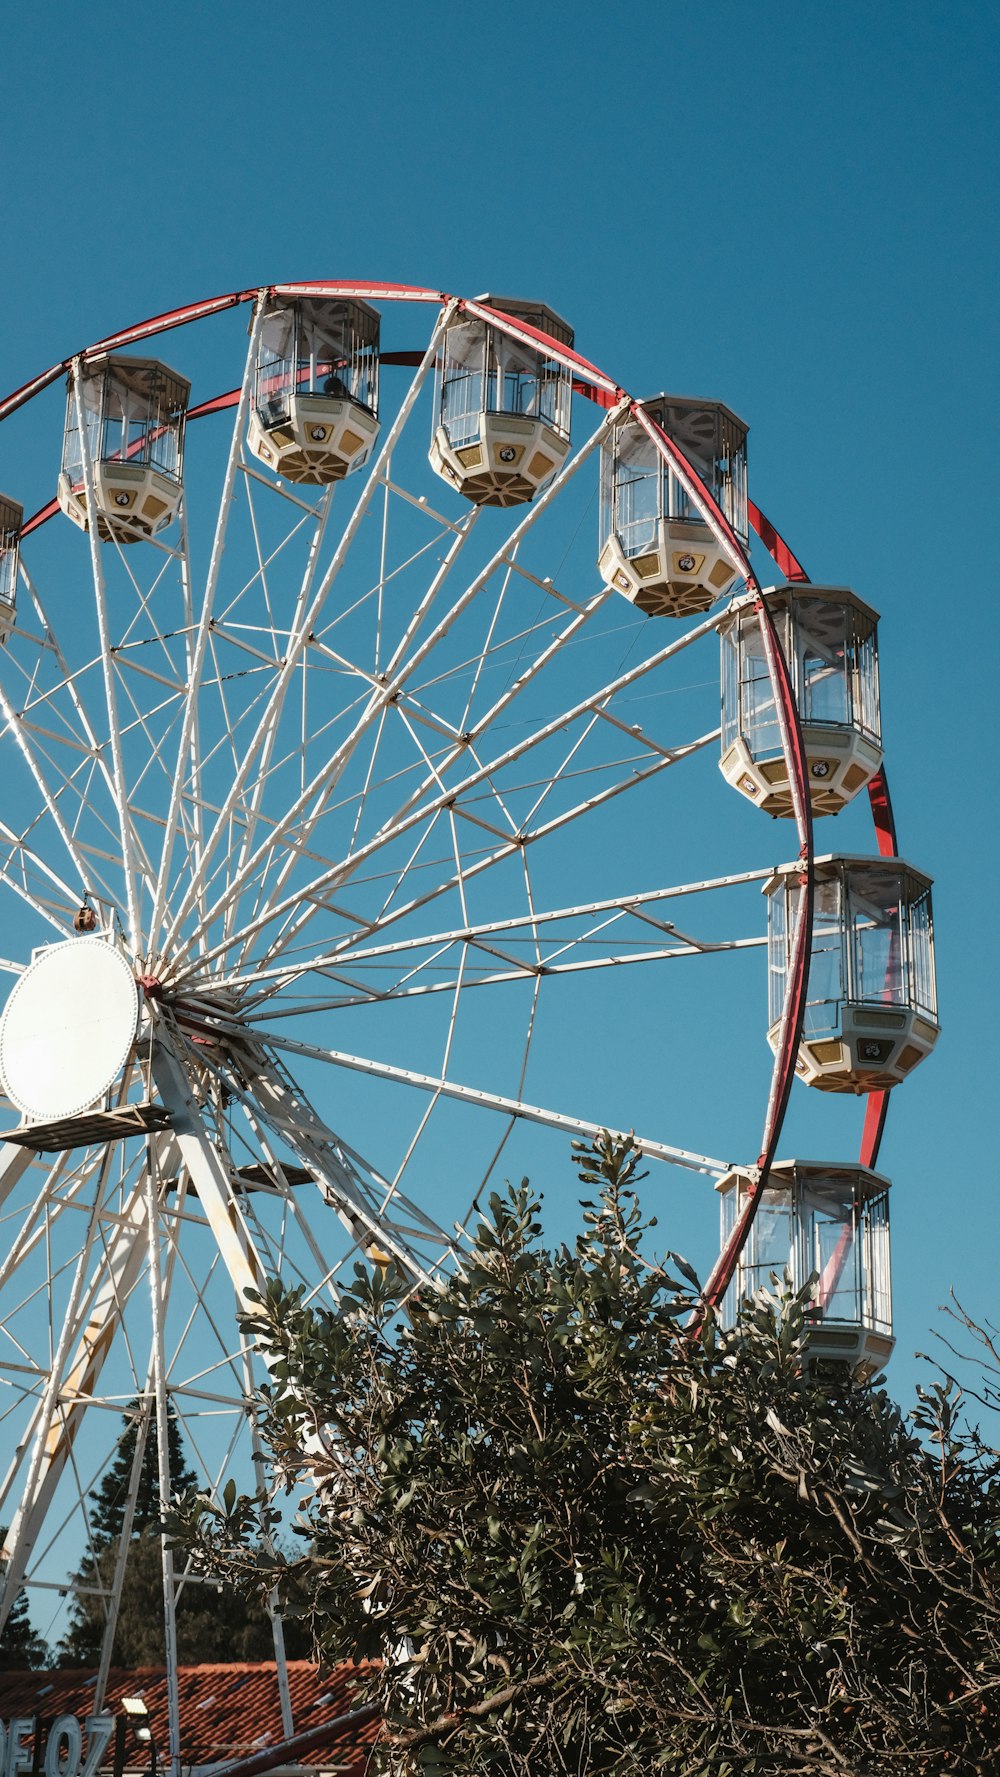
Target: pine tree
{"points": [[212, 1622], [21, 1649], [108, 1499]]}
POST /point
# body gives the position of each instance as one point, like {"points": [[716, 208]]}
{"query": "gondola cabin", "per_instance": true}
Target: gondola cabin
{"points": [[125, 437], [830, 641], [825, 1226], [656, 548], [314, 414], [501, 404], [11, 518], [871, 1004]]}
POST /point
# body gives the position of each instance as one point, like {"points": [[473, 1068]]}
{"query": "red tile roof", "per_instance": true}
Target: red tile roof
{"points": [[226, 1712]]}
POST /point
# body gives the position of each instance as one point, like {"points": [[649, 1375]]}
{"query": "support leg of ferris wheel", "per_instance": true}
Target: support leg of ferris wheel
{"points": [[93, 1314], [208, 1173], [261, 1477], [121, 1553], [73, 1377], [158, 1306], [90, 1324], [218, 1200], [14, 1163], [162, 1166]]}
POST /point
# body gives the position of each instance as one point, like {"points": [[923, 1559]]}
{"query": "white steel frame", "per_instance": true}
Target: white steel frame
{"points": [[292, 784]]}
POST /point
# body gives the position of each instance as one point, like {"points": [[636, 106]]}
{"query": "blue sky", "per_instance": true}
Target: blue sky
{"points": [[789, 206]]}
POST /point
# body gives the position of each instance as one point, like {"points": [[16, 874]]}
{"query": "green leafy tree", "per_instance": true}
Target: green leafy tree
{"points": [[213, 1622], [21, 1649], [583, 1538]]}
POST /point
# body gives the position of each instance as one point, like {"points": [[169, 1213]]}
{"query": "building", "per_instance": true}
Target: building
{"points": [[230, 1715]]}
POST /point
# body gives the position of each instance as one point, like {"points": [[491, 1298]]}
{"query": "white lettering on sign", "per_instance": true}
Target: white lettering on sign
{"points": [[19, 1756], [63, 1755], [64, 1747], [99, 1731]]}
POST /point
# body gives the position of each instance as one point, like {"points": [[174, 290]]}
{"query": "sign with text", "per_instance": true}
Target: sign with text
{"points": [[66, 1746]]}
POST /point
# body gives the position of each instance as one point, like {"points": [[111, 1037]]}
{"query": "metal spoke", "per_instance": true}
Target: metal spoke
{"points": [[187, 752], [126, 830], [397, 673], [492, 1101], [419, 806], [298, 642]]}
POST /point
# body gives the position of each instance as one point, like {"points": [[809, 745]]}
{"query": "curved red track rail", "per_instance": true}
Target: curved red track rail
{"points": [[877, 1103], [775, 544], [214, 305], [793, 748]]}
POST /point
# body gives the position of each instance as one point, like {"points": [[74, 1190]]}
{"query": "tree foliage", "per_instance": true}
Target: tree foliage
{"points": [[584, 1539]]}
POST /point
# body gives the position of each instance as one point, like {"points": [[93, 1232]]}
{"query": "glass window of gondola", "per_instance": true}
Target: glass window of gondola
{"points": [[638, 486], [890, 950], [316, 346], [133, 410], [872, 939], [714, 441], [461, 398], [828, 1223], [11, 516], [828, 968], [830, 642], [748, 706], [633, 489], [523, 380], [484, 369]]}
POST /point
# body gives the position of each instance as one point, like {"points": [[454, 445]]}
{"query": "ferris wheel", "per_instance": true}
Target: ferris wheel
{"points": [[340, 845]]}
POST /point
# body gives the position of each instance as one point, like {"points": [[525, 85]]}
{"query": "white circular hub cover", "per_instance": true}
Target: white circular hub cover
{"points": [[67, 1028]]}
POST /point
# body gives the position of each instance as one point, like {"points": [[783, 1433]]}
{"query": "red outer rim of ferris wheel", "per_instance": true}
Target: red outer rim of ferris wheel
{"points": [[876, 1103], [374, 292], [793, 749], [588, 380]]}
